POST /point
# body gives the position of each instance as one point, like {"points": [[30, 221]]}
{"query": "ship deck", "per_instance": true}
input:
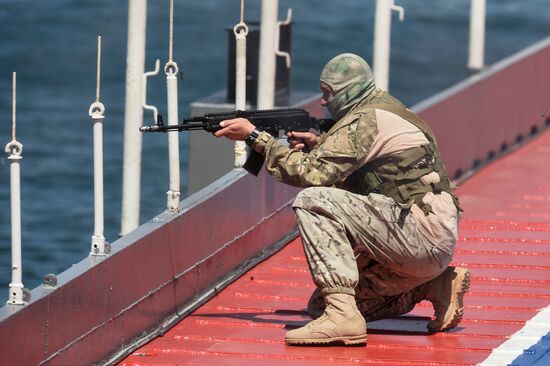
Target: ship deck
{"points": [[504, 239]]}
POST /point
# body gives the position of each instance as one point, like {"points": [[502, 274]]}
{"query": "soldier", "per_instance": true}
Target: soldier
{"points": [[378, 218]]}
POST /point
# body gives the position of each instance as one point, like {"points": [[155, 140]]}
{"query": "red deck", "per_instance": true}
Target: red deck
{"points": [[504, 240]]}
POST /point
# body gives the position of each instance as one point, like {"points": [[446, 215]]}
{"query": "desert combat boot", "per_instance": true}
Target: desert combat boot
{"points": [[446, 293], [340, 323]]}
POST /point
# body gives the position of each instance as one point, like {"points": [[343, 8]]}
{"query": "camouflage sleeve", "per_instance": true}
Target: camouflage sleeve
{"points": [[339, 153]]}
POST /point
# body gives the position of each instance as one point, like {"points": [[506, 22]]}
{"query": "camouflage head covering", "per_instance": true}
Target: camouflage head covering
{"points": [[351, 79]]}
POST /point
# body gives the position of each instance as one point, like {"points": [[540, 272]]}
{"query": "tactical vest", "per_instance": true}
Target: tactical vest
{"points": [[398, 176]]}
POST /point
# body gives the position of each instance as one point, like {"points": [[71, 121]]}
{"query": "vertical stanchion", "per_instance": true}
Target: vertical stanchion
{"points": [[133, 116], [171, 70], [382, 41], [477, 35], [99, 246], [267, 62], [241, 31], [18, 294]]}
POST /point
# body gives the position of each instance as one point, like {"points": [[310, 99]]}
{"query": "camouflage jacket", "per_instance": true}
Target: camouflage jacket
{"points": [[339, 152]]}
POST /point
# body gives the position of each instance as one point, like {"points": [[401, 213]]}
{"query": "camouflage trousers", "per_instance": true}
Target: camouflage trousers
{"points": [[365, 246]]}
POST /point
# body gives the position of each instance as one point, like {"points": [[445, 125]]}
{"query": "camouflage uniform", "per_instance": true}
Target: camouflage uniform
{"points": [[356, 242]]}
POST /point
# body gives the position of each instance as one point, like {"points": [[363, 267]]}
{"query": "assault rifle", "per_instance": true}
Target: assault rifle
{"points": [[276, 122]]}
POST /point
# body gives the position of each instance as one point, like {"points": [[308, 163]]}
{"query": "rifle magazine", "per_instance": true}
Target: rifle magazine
{"points": [[254, 163]]}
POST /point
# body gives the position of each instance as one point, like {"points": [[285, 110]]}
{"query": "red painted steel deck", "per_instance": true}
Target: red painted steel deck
{"points": [[504, 240]]}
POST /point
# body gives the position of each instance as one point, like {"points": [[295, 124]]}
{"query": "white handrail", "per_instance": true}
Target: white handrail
{"points": [[267, 62], [241, 31], [476, 53], [171, 70], [18, 294], [133, 115], [97, 113]]}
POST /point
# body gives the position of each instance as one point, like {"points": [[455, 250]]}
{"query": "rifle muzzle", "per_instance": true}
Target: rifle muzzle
{"points": [[151, 128]]}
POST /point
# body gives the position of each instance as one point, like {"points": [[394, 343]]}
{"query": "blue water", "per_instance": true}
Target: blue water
{"points": [[52, 46]]}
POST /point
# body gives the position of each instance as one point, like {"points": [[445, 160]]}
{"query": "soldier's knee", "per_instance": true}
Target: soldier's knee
{"points": [[313, 197], [304, 198]]}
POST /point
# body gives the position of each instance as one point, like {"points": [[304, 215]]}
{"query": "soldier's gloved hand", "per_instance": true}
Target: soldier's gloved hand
{"points": [[300, 140], [236, 129]]}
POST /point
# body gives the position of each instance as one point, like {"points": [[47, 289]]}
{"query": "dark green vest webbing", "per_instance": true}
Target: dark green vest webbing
{"points": [[397, 176]]}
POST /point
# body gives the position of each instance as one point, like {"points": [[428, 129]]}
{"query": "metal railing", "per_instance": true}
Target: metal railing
{"points": [[18, 294]]}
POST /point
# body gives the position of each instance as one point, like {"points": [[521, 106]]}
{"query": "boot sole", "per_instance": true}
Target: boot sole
{"points": [[461, 288], [346, 341]]}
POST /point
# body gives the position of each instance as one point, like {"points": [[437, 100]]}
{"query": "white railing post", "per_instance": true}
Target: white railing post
{"points": [[171, 70], [99, 246], [382, 41], [18, 294], [241, 31], [266, 77], [476, 55], [133, 116]]}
